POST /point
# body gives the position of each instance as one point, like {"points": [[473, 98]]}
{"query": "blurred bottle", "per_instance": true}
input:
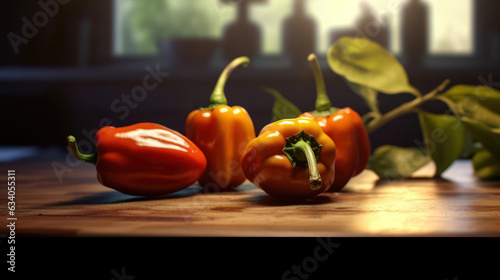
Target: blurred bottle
{"points": [[299, 35], [242, 37], [487, 32], [414, 35], [367, 25]]}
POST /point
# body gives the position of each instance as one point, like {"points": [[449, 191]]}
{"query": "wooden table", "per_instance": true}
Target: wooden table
{"points": [[456, 205]]}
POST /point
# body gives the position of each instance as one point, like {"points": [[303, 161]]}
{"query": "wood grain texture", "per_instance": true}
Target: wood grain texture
{"points": [[456, 205]]}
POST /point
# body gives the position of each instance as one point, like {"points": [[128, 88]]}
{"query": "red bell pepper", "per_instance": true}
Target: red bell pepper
{"points": [[144, 159], [346, 129]]}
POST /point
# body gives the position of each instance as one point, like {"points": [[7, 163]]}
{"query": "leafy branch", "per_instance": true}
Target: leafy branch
{"points": [[405, 108], [470, 127], [369, 69]]}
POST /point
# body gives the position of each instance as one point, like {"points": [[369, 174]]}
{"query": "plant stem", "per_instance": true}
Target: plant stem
{"points": [[322, 101], [218, 97], [404, 108], [73, 150], [303, 150], [370, 115], [301, 147]]}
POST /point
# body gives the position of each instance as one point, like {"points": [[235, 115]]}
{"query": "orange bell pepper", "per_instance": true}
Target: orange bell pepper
{"points": [[221, 132], [346, 129], [291, 158]]}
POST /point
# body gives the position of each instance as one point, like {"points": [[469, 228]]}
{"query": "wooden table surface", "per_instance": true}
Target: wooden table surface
{"points": [[456, 205]]}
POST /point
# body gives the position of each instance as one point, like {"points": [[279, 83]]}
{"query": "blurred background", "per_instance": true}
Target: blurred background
{"points": [[73, 66]]}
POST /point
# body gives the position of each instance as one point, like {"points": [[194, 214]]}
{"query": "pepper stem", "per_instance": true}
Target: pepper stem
{"points": [[218, 97], [322, 101], [73, 150], [302, 150]]}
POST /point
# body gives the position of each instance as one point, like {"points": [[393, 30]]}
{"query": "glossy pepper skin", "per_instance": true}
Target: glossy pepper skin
{"points": [[267, 163], [346, 129], [144, 159], [221, 132]]}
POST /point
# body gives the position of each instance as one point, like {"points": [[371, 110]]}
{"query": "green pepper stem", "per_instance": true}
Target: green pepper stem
{"points": [[303, 149], [218, 97], [73, 150], [322, 101]]}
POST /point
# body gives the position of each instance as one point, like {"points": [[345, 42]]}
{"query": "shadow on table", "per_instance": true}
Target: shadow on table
{"points": [[267, 200], [112, 197], [414, 181]]}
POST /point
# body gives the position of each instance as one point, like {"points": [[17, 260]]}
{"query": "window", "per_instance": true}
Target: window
{"points": [[139, 24], [450, 22]]}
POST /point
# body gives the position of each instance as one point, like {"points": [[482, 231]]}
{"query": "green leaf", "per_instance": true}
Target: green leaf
{"points": [[489, 137], [478, 108], [486, 166], [282, 108], [468, 97], [390, 162], [368, 94], [364, 62], [444, 138]]}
